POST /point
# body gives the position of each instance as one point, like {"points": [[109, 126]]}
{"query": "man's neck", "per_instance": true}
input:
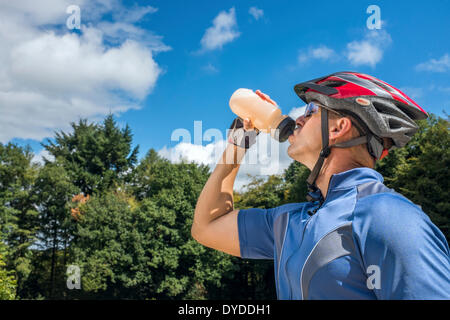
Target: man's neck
{"points": [[330, 168]]}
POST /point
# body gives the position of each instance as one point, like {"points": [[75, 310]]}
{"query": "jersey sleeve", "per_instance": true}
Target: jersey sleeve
{"points": [[256, 239], [405, 256]]}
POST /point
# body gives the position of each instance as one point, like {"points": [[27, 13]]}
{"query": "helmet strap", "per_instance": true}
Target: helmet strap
{"points": [[314, 192]]}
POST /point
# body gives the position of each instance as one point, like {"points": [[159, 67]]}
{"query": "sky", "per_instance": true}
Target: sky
{"points": [[168, 68]]}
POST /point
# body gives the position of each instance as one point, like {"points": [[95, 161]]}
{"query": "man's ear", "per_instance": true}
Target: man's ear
{"points": [[339, 127]]}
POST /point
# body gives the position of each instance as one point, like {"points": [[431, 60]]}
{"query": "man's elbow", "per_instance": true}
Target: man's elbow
{"points": [[196, 233]]}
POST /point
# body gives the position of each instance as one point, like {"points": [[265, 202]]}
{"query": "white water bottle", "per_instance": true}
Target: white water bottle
{"points": [[264, 115]]}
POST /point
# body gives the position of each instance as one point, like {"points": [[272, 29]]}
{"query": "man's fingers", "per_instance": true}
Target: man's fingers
{"points": [[248, 125], [265, 97]]}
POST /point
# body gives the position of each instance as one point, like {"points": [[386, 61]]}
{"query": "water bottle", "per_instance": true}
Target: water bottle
{"points": [[264, 115]]}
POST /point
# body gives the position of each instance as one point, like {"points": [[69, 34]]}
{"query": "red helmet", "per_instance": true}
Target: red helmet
{"points": [[383, 110]]}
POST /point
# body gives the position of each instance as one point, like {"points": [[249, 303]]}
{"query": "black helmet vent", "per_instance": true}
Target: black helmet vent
{"points": [[382, 108], [393, 124], [333, 83]]}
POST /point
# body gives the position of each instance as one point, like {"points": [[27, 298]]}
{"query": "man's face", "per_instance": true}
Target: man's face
{"points": [[306, 141]]}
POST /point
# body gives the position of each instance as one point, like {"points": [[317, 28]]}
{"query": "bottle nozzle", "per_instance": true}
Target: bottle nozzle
{"points": [[284, 129]]}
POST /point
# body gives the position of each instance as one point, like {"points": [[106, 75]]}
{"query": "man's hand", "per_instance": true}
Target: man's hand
{"points": [[242, 133]]}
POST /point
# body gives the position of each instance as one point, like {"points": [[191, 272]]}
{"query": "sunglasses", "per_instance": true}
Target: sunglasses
{"points": [[312, 108]]}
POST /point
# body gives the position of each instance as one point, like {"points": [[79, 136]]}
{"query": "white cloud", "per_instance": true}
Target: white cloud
{"points": [[132, 15], [46, 11], [321, 52], [265, 158], [297, 112], [440, 65], [370, 50], [223, 30], [39, 158], [80, 64], [53, 76], [256, 12], [208, 155]]}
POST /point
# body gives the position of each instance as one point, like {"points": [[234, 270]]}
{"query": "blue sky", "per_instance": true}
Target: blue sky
{"points": [[265, 56], [172, 77]]}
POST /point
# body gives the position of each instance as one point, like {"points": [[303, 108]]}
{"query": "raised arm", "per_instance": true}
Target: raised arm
{"points": [[215, 222]]}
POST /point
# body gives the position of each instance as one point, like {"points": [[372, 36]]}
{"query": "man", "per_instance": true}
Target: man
{"points": [[354, 238]]}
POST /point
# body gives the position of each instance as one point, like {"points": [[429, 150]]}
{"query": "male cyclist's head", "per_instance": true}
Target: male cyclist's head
{"points": [[353, 111], [306, 141]]}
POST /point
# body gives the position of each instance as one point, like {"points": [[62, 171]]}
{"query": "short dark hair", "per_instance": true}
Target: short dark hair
{"points": [[359, 160]]}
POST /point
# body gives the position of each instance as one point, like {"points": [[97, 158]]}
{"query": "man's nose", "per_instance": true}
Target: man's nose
{"points": [[300, 121]]}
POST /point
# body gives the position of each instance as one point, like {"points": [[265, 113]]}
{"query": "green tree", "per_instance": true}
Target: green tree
{"points": [[93, 158], [53, 192], [263, 193], [136, 243], [8, 282], [108, 247], [18, 215], [98, 156], [295, 178]]}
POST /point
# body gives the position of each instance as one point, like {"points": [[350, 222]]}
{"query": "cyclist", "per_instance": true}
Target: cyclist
{"points": [[354, 238]]}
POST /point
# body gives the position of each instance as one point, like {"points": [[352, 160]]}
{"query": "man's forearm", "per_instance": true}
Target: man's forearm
{"points": [[216, 198]]}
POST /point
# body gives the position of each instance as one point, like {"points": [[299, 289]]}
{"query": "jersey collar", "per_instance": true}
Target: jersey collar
{"points": [[353, 178]]}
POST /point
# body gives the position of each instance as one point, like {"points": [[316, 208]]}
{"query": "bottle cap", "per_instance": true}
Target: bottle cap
{"points": [[284, 129]]}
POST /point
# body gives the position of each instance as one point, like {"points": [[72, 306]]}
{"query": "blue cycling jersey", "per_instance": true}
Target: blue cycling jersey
{"points": [[364, 242]]}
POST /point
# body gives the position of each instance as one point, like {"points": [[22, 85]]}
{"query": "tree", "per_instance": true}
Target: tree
{"points": [[263, 194], [8, 282], [136, 243], [18, 216], [197, 271], [295, 177], [53, 192], [98, 156]]}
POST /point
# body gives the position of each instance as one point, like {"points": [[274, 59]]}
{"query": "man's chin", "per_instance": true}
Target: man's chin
{"points": [[294, 152], [290, 152]]}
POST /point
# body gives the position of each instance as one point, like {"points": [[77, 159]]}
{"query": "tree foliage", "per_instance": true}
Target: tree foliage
{"points": [[8, 283], [18, 215], [98, 156]]}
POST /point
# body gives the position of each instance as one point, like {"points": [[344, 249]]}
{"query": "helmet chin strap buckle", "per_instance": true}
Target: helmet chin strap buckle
{"points": [[325, 152]]}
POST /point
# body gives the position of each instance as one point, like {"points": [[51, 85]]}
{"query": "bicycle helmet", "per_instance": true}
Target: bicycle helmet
{"points": [[382, 111]]}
